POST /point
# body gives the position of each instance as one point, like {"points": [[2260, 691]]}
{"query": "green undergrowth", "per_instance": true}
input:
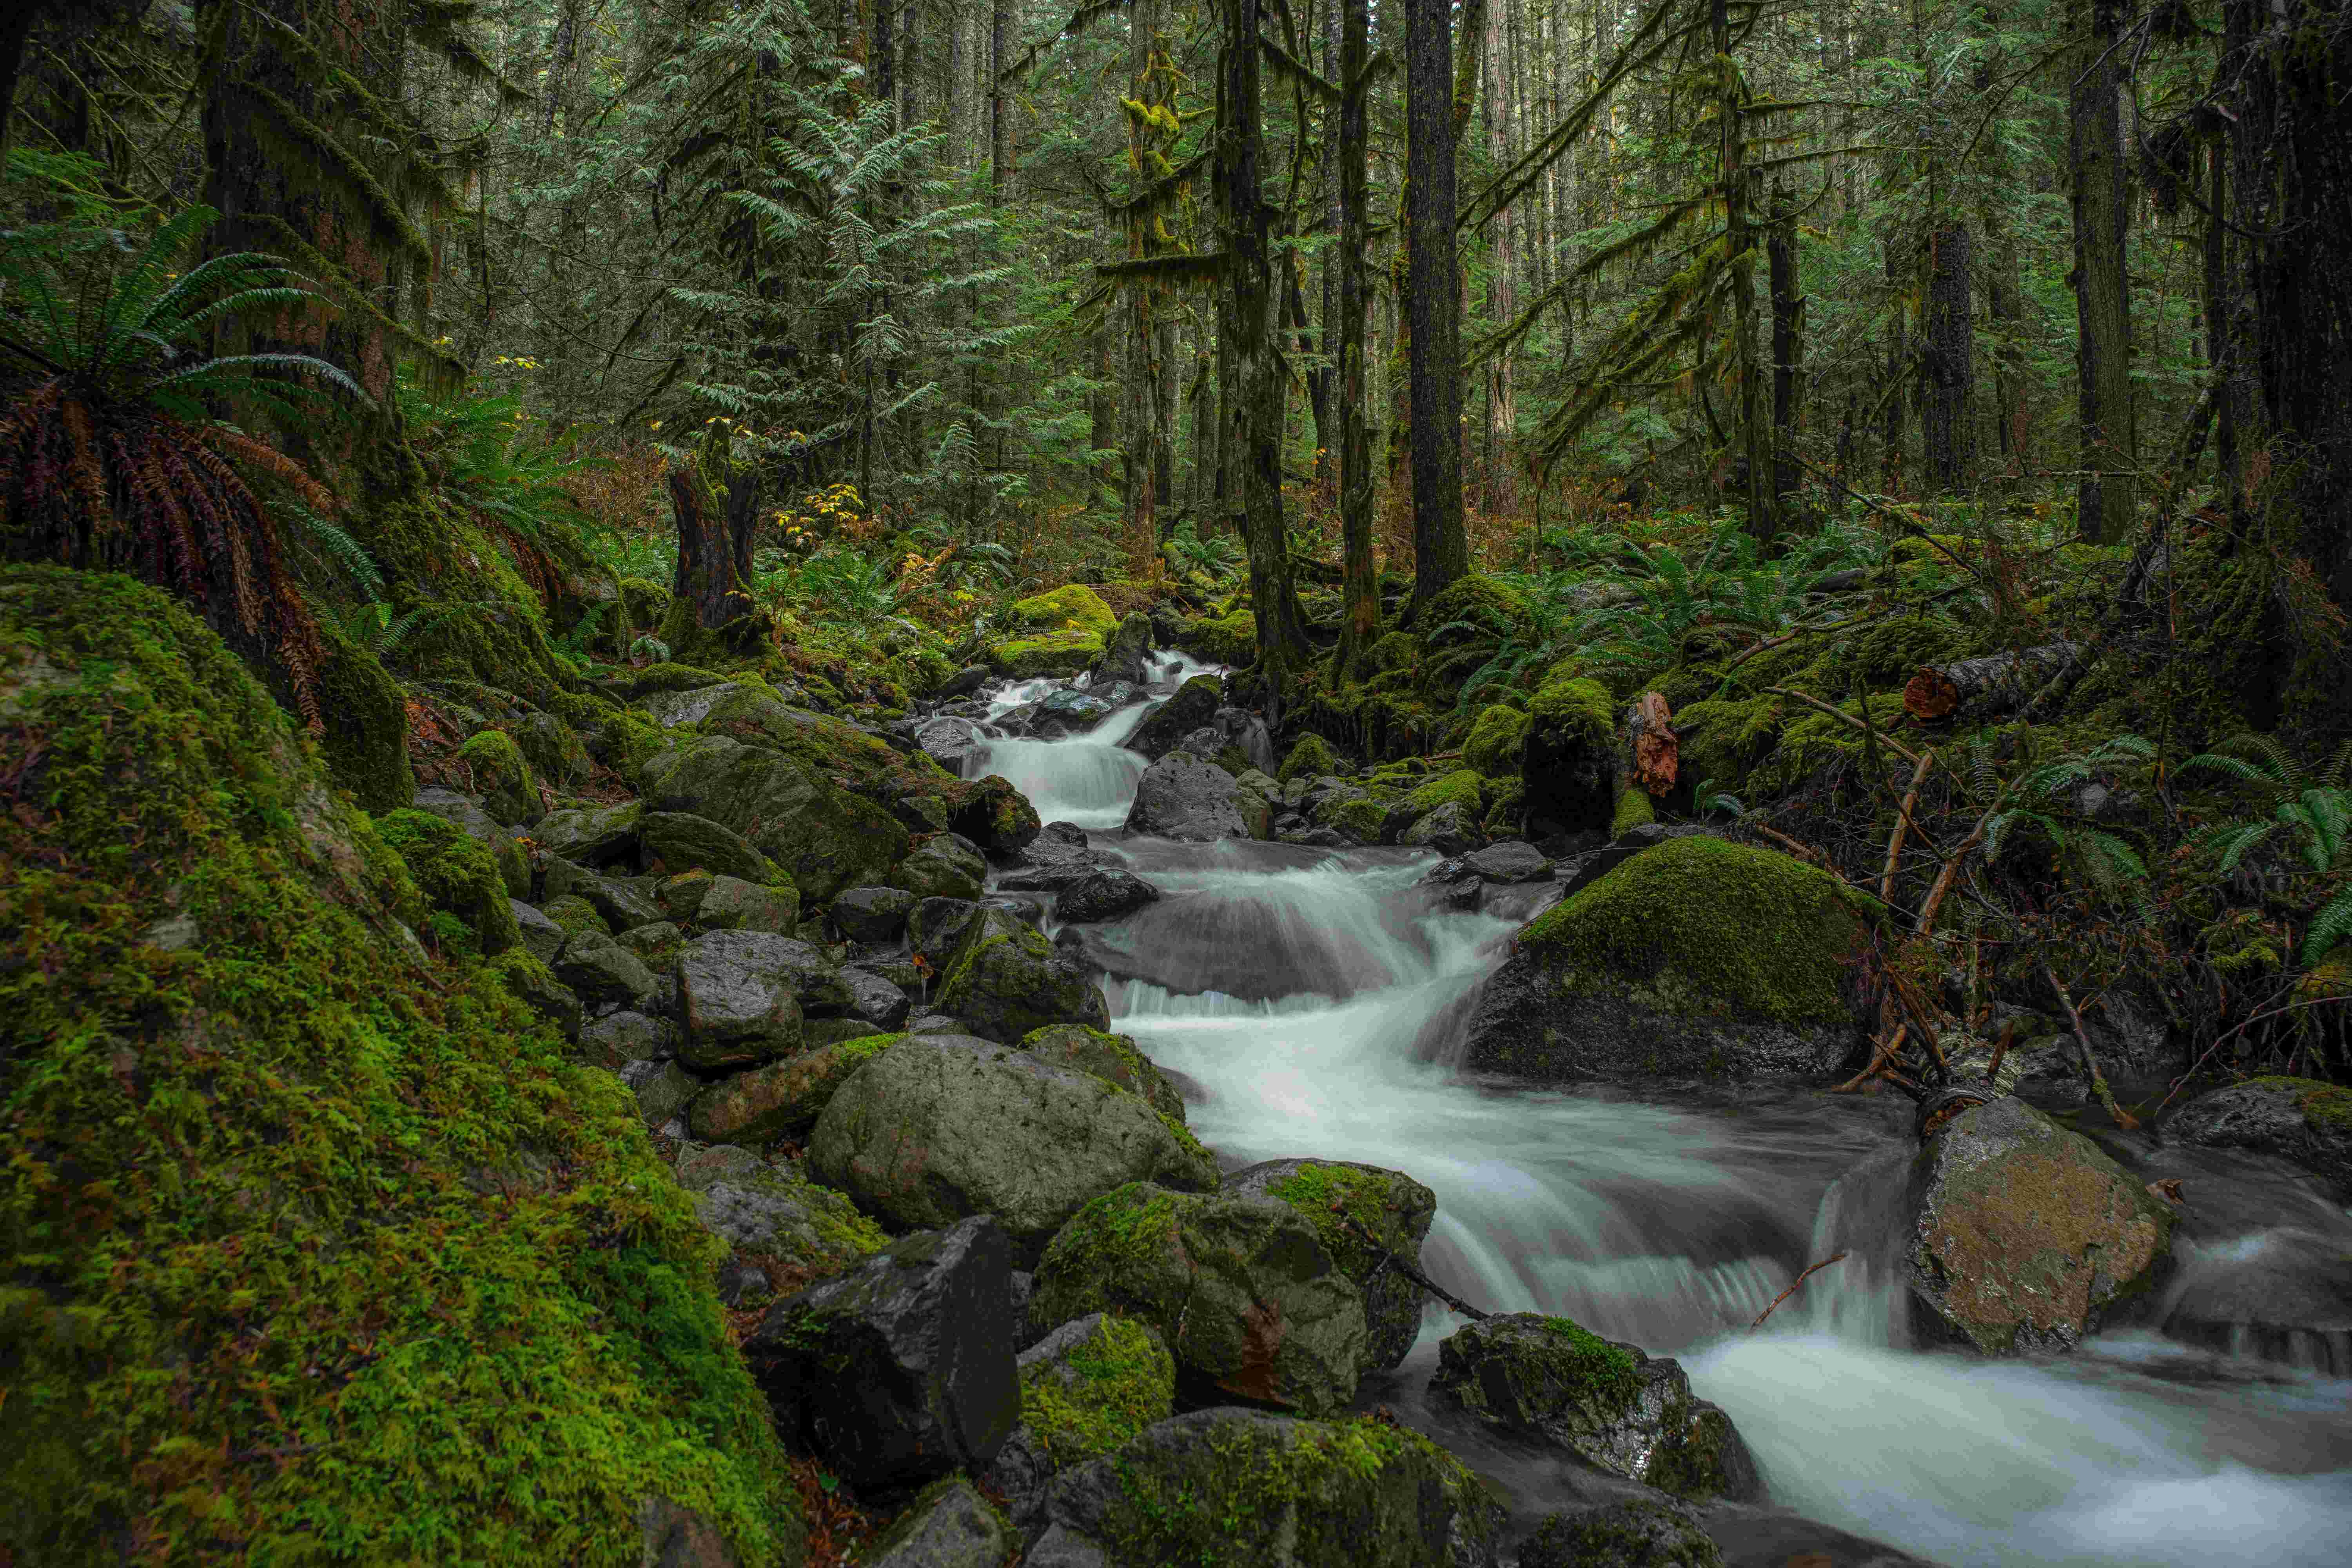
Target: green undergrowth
{"points": [[318, 1251]]}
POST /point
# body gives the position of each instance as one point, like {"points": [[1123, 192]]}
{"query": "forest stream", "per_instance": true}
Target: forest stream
{"points": [[1309, 1003]]}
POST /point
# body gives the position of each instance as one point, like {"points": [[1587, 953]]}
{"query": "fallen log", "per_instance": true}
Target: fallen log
{"points": [[1994, 684]]}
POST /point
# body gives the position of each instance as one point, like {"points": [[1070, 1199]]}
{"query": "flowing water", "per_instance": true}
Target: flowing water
{"points": [[1310, 1002]]}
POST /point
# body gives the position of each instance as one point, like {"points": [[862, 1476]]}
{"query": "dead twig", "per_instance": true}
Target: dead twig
{"points": [[1800, 1279], [1848, 719], [2123, 1118], [1902, 825], [1355, 1228], [1882, 1053]]}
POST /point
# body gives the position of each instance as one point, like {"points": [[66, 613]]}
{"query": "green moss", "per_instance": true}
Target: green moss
{"points": [[1569, 702], [1052, 654], [1461, 628], [1583, 1360], [1495, 740], [1073, 607], [502, 778], [1122, 1235], [1360, 819], [317, 1253], [576, 915], [1722, 740], [365, 744], [1462, 788], [2323, 1105], [1225, 639], [1711, 923], [1633, 810], [1105, 1390], [1323, 1193], [1395, 651], [1311, 757], [665, 677], [1813, 739], [457, 875]]}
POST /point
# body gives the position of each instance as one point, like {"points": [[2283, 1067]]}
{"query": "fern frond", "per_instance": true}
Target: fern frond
{"points": [[2329, 927]]}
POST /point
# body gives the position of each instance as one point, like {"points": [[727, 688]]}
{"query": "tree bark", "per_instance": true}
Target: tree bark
{"points": [[1897, 407], [1948, 370], [1441, 552], [1739, 243], [714, 545], [1359, 609], [1787, 351], [1001, 40], [2107, 492]]}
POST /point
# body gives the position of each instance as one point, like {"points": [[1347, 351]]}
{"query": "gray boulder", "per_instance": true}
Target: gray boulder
{"points": [[1344, 1202], [950, 1525], [947, 741], [872, 914], [1182, 798], [1066, 712], [745, 993], [1127, 653], [947, 866], [616, 1039], [937, 928], [782, 1098], [1104, 896], [1112, 1057], [824, 837], [602, 972], [1194, 704], [901, 1370], [682, 841], [2023, 1237], [1639, 1532], [766, 1212], [938, 1127], [729, 904], [875, 998], [1203, 1487], [1610, 1405], [1005, 979], [1512, 860], [541, 937], [592, 836], [1449, 829], [2299, 1119], [663, 1090]]}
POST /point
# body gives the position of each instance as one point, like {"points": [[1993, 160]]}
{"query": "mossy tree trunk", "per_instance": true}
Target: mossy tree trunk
{"points": [[1788, 347], [1360, 614], [1441, 553], [714, 546], [1948, 370], [2107, 494]]}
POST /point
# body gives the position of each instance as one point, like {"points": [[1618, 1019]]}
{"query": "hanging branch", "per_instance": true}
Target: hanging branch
{"points": [[1355, 1229], [1793, 1284]]}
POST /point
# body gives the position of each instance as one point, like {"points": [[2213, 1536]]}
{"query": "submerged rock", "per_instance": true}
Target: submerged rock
{"points": [[1242, 1289], [2024, 1238], [938, 1127], [1273, 1491], [1699, 957], [1339, 1199], [1610, 1405]]}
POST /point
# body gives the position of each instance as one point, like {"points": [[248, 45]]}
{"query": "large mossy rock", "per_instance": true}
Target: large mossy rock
{"points": [[365, 714], [1005, 979], [514, 866], [1087, 1389], [2024, 1238], [1567, 753], [460, 877], [1234, 1486], [1346, 1202], [822, 836], [683, 842], [1610, 1405], [287, 1119], [1195, 704], [1640, 1532], [1699, 957], [1074, 608], [795, 1230], [500, 774], [1242, 1289], [782, 1098], [1497, 742], [938, 1127], [1110, 1057], [2297, 1119]]}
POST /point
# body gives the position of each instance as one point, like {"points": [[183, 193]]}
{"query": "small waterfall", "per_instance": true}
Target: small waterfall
{"points": [[1088, 779]]}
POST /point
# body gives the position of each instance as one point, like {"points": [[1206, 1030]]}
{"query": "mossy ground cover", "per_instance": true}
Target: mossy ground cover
{"points": [[318, 1251], [1104, 1392]]}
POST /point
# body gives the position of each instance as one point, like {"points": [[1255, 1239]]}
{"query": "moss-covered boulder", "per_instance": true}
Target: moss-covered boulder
{"points": [[1242, 1289], [2024, 1238], [1128, 655], [1005, 979], [1639, 1532], [555, 748], [457, 876], [514, 865], [1310, 757], [730, 903], [781, 1100], [1568, 758], [1056, 654], [1194, 704], [1074, 608], [245, 1194], [2297, 1119], [994, 815], [1228, 639], [937, 1127], [1699, 957], [495, 767], [1497, 741], [1460, 629], [1365, 1215], [366, 716], [822, 836], [860, 761], [681, 841], [1610, 1405], [1087, 1389], [1107, 1055], [590, 835], [1235, 1487], [794, 1229], [951, 1524], [945, 866]]}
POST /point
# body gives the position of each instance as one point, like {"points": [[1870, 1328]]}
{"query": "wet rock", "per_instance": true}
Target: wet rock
{"points": [[656, 943], [1194, 704], [1182, 798], [1066, 713], [1126, 656], [621, 905], [674, 1536], [663, 1090], [729, 904], [1390, 1205], [767, 1212], [2024, 1238], [1242, 1289], [938, 1127], [2299, 1119], [539, 990], [1104, 896], [1449, 829], [541, 937], [947, 741], [1699, 958], [1610, 1405], [965, 681], [671, 708], [682, 842], [782, 1098], [602, 972], [947, 866], [875, 998], [873, 915], [1243, 1486], [1512, 860], [836, 1032], [1006, 980], [950, 1525], [745, 993], [1638, 1533], [616, 1039], [992, 813], [901, 1370], [1112, 1057], [936, 929], [460, 812], [823, 837], [728, 958], [1086, 1388], [591, 835]]}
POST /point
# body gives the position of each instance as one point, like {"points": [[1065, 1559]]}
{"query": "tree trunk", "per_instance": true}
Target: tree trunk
{"points": [[1441, 552], [1788, 349], [714, 546], [1948, 370], [1360, 610], [1502, 295], [1001, 40], [1250, 311], [1739, 243], [2108, 490], [883, 66], [1894, 420]]}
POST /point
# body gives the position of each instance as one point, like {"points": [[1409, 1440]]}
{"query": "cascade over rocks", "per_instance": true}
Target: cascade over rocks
{"points": [[1194, 704], [937, 1127], [902, 1370], [2297, 1119], [1610, 1405], [1699, 957], [2023, 1237]]}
